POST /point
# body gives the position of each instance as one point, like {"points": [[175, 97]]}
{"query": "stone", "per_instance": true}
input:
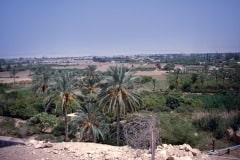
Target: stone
{"points": [[184, 158], [164, 145], [195, 152], [31, 142], [43, 145], [171, 158], [230, 132]]}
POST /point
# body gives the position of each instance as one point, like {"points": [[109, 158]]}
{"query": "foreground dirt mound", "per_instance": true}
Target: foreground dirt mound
{"points": [[85, 151]]}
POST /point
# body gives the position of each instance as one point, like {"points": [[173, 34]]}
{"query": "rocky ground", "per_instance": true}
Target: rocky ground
{"points": [[37, 150]]}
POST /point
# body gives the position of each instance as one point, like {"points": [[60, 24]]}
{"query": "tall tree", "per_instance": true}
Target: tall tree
{"points": [[119, 95], [63, 89], [90, 83], [13, 74], [158, 65], [41, 78], [40, 82], [91, 72]]}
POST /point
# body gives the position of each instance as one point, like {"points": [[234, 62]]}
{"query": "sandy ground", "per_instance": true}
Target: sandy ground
{"points": [[160, 75], [24, 76], [20, 77], [86, 151]]}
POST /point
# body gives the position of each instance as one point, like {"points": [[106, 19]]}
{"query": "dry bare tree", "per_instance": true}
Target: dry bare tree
{"points": [[143, 131]]}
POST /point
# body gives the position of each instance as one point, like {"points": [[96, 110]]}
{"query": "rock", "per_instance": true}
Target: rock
{"points": [[184, 158], [187, 147], [164, 145], [181, 147], [31, 142], [230, 132], [236, 136], [163, 152], [43, 145], [47, 130], [171, 158], [195, 152]]}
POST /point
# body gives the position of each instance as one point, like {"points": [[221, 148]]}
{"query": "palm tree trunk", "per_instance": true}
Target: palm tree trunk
{"points": [[66, 123], [153, 138], [118, 125]]}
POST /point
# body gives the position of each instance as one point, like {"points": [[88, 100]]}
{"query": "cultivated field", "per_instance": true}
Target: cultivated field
{"points": [[20, 77], [25, 76]]}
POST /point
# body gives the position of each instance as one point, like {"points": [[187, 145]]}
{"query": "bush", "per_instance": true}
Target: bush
{"points": [[155, 102], [177, 130], [214, 123], [186, 87], [236, 122], [146, 79], [172, 102], [59, 129], [43, 121], [19, 109], [172, 86]]}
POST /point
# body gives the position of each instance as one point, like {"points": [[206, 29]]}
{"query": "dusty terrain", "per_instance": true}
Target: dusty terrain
{"points": [[25, 76], [93, 151], [20, 77], [160, 75]]}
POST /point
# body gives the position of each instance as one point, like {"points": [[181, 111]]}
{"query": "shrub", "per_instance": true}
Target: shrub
{"points": [[146, 79], [172, 102], [214, 123], [186, 87], [19, 109], [172, 86], [43, 121], [155, 102], [194, 77], [177, 130], [236, 122]]}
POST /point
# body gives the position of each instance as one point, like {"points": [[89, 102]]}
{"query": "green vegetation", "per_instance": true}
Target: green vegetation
{"points": [[43, 121], [118, 95], [194, 104]]}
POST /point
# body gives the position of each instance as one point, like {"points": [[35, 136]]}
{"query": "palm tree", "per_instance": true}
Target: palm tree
{"points": [[13, 74], [64, 90], [41, 79], [91, 72], [88, 122], [90, 86], [202, 80], [90, 83], [216, 74], [154, 84], [118, 95]]}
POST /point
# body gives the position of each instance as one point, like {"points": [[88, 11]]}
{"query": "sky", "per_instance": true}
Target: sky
{"points": [[37, 28]]}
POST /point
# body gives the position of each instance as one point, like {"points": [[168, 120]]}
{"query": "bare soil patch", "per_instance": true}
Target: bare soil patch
{"points": [[93, 151], [20, 77], [157, 74]]}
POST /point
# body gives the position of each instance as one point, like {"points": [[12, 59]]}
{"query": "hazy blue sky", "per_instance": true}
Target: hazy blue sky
{"points": [[110, 27]]}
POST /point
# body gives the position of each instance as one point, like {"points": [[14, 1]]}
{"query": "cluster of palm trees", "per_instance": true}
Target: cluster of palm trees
{"points": [[115, 93]]}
